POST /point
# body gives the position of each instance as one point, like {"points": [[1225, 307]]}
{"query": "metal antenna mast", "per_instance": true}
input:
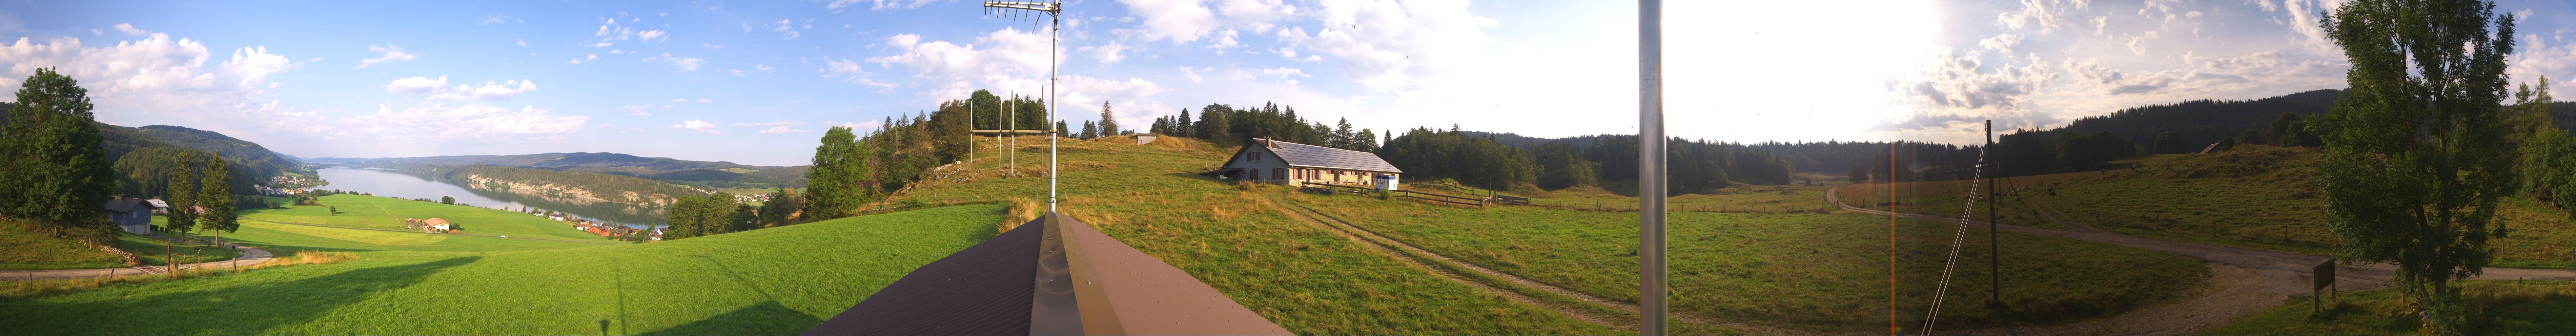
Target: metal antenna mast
{"points": [[1054, 12]]}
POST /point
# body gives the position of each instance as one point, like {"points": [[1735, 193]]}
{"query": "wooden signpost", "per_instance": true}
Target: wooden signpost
{"points": [[2325, 278]]}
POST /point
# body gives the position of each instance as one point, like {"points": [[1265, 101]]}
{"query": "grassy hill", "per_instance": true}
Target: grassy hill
{"points": [[384, 213], [771, 281], [1825, 272], [2263, 197], [1734, 265]]}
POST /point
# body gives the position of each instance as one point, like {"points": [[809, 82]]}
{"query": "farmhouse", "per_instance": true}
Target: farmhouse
{"points": [[436, 225], [1283, 162], [133, 215]]}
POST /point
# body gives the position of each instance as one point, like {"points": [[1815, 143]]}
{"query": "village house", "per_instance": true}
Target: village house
{"points": [[159, 207], [1282, 162], [134, 215], [436, 225]]}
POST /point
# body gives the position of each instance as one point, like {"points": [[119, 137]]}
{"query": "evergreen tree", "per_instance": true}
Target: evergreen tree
{"points": [[1858, 174], [1343, 137], [217, 196], [57, 174], [1060, 130], [2414, 159], [1181, 125], [1108, 121], [2171, 142], [182, 196], [1213, 125], [1089, 130]]}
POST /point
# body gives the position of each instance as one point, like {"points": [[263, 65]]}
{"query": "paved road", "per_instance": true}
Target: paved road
{"points": [[249, 256], [2290, 272]]}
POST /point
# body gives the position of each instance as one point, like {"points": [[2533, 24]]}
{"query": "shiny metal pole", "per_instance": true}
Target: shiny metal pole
{"points": [[1650, 168], [1055, 19]]}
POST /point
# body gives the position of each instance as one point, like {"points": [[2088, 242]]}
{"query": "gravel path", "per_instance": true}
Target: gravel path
{"points": [[249, 256]]}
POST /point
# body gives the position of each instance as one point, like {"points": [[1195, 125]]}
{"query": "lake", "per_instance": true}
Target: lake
{"points": [[405, 185]]}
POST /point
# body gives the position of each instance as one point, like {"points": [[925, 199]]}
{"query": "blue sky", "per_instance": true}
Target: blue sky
{"points": [[756, 82]]}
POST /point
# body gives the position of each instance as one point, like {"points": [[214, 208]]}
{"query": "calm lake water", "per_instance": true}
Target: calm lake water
{"points": [[406, 185]]}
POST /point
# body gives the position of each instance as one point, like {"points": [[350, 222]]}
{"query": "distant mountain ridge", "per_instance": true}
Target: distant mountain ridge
{"points": [[699, 173]]}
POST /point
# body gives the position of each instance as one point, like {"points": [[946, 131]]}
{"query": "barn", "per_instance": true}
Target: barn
{"points": [[1282, 162]]}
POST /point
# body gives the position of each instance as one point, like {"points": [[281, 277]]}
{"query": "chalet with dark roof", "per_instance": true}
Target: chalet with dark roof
{"points": [[133, 215], [1282, 162]]}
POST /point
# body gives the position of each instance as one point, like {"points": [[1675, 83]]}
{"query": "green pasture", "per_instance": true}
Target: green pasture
{"points": [[34, 251], [770, 281], [2507, 307], [2263, 197], [385, 213], [1806, 271]]}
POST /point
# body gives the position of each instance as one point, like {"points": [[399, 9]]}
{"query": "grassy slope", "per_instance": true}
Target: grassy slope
{"points": [[34, 250], [2262, 197], [1793, 270], [771, 281], [1300, 276], [371, 212], [2513, 308]]}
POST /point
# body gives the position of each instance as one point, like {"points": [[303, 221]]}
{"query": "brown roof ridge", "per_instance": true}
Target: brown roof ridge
{"points": [[1052, 275]]}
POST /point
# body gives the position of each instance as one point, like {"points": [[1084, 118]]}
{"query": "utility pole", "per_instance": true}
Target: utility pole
{"points": [[1055, 21], [1994, 251], [1650, 169]]}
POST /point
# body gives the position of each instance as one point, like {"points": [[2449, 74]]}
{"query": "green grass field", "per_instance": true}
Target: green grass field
{"points": [[1298, 275], [1807, 271], [34, 251], [2262, 197], [2510, 308], [371, 212], [771, 281]]}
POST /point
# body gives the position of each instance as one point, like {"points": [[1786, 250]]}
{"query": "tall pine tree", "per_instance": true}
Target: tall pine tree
{"points": [[184, 179], [1108, 121], [217, 197]]}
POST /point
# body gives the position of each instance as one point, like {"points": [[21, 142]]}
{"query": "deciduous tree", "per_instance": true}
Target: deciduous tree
{"points": [[2414, 153]]}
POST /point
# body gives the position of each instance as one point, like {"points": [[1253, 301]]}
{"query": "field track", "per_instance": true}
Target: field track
{"points": [[2273, 277], [249, 256]]}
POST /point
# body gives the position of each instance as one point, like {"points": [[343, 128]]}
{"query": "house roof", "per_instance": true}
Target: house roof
{"points": [[158, 203], [1297, 154], [433, 221], [1095, 285], [124, 204]]}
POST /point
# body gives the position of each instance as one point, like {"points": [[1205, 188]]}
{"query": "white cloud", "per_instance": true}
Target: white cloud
{"points": [[471, 122], [637, 110], [416, 85], [698, 125], [736, 72], [437, 89], [650, 35], [523, 42], [392, 53], [158, 79], [779, 129], [762, 68], [498, 18], [128, 28], [1107, 54], [786, 27], [704, 100], [686, 64], [836, 5]]}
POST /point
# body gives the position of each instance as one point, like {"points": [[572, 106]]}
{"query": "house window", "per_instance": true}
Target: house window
{"points": [[1256, 156], [1256, 174]]}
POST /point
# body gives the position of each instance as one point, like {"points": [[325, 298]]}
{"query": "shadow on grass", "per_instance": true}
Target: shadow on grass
{"points": [[764, 318], [253, 309]]}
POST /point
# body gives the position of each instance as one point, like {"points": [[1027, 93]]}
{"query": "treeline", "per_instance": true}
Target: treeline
{"points": [[59, 172], [613, 188], [1225, 124], [2545, 154], [1492, 161]]}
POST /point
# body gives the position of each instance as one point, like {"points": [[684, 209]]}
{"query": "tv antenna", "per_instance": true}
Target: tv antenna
{"points": [[1054, 12]]}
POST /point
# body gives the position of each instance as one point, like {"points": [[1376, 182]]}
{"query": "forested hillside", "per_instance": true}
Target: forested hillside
{"points": [[575, 185]]}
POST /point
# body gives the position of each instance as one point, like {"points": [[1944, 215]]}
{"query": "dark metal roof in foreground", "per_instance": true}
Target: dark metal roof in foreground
{"points": [[1051, 276]]}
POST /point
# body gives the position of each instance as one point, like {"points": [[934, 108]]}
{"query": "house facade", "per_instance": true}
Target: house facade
{"points": [[1281, 162], [436, 225], [134, 215]]}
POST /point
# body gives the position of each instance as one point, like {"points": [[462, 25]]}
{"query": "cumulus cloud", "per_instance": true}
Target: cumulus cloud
{"points": [[650, 35], [392, 53], [158, 77], [780, 129], [685, 64], [698, 125], [128, 28]]}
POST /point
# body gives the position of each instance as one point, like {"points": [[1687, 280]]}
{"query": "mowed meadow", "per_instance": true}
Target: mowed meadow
{"points": [[2257, 197], [1817, 272], [1299, 275], [771, 281]]}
